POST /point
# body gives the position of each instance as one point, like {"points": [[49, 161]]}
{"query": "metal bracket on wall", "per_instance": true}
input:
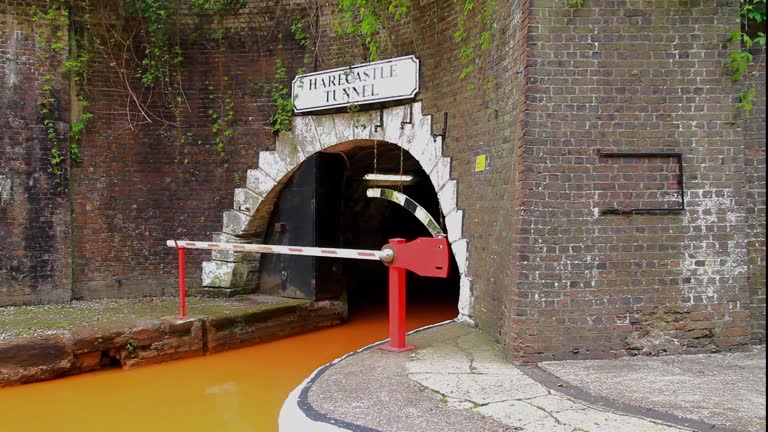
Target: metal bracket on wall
{"points": [[445, 128], [676, 155], [381, 121]]}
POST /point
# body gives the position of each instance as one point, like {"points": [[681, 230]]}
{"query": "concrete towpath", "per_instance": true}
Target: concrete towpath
{"points": [[458, 381]]}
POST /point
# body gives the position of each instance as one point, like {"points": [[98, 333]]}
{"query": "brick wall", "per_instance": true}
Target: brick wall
{"points": [[143, 179], [35, 263], [754, 161], [630, 76], [484, 120], [142, 183], [552, 276]]}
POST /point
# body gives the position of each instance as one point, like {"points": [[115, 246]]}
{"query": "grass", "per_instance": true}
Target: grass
{"points": [[113, 314]]}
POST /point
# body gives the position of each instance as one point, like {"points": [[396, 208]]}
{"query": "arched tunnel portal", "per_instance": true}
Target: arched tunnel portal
{"points": [[325, 204], [320, 166]]}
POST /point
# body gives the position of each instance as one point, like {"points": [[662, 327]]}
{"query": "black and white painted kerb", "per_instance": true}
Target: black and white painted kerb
{"points": [[298, 414]]}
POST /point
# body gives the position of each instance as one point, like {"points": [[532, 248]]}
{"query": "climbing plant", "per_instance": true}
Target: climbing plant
{"points": [[280, 121], [367, 18], [752, 13], [52, 24], [471, 46]]}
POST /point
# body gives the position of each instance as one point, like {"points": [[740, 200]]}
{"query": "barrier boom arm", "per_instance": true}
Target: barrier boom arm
{"points": [[424, 256], [364, 254]]}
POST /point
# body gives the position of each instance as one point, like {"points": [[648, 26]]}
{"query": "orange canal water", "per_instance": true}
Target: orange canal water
{"points": [[240, 390]]}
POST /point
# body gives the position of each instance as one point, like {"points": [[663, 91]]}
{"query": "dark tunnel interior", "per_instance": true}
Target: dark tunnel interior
{"points": [[325, 204]]}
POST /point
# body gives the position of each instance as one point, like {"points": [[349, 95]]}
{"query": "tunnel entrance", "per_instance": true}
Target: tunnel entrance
{"points": [[324, 204]]}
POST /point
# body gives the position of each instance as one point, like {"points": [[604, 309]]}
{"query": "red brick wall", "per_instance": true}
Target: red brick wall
{"points": [[143, 183], [618, 76], [484, 120], [35, 264], [754, 161], [552, 277], [140, 182]]}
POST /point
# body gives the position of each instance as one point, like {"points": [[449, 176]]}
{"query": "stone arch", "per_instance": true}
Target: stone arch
{"points": [[405, 126]]}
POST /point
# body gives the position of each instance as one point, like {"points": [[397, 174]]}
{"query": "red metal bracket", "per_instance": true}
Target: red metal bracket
{"points": [[425, 256]]}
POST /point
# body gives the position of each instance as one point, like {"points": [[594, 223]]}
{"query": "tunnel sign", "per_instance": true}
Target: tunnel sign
{"points": [[367, 83]]}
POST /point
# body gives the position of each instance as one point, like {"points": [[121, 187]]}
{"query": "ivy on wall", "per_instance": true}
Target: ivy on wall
{"points": [[52, 32], [752, 13], [369, 20]]}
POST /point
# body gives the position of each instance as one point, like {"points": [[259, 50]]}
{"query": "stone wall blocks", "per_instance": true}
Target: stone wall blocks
{"points": [[407, 137], [428, 152], [440, 173], [393, 119], [232, 256], [416, 110], [220, 274], [273, 164], [246, 200], [343, 125], [423, 126], [447, 196], [259, 182], [460, 252], [453, 224], [362, 125], [289, 152], [304, 134], [465, 300], [326, 131], [235, 222]]}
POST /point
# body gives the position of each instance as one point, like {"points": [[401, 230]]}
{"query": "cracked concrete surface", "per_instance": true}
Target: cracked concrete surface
{"points": [[467, 372], [457, 381], [727, 390]]}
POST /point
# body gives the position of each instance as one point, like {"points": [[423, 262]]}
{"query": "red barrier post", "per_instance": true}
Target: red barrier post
{"points": [[182, 283], [397, 299]]}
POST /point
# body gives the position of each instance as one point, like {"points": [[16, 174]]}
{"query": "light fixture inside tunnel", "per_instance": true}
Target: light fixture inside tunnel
{"points": [[389, 179]]}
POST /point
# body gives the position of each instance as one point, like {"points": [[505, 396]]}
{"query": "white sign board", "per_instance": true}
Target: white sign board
{"points": [[379, 81]]}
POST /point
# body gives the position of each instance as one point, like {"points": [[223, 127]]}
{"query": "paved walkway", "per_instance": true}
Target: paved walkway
{"points": [[458, 381]]}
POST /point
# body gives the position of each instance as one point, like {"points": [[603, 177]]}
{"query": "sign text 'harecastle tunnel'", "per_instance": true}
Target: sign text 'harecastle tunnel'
{"points": [[379, 81]]}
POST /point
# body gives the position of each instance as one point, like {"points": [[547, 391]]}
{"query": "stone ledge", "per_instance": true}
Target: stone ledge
{"points": [[38, 358]]}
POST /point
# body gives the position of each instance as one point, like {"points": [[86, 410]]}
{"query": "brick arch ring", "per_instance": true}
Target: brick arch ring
{"points": [[406, 126]]}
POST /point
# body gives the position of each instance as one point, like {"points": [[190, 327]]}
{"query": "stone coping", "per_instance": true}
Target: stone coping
{"points": [[49, 341]]}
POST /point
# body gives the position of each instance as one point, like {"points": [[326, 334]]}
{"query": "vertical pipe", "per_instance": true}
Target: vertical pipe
{"points": [[182, 283], [397, 307], [397, 297]]}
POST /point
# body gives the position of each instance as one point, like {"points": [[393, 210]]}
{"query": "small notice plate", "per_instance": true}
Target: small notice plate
{"points": [[480, 162], [367, 83]]}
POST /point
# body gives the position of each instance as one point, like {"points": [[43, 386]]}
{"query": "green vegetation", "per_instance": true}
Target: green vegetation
{"points": [[367, 20], [751, 12], [52, 32], [116, 314], [280, 121]]}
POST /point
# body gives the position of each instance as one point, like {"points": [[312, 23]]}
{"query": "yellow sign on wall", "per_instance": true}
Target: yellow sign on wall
{"points": [[480, 162]]}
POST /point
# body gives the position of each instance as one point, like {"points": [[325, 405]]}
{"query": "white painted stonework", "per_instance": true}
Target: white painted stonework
{"points": [[310, 134]]}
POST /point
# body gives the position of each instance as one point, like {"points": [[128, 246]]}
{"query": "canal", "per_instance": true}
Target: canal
{"points": [[240, 390]]}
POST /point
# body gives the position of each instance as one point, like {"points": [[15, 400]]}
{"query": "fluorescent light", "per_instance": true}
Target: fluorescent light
{"points": [[388, 178]]}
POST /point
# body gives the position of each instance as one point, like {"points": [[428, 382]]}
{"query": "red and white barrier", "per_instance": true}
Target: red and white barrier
{"points": [[424, 256], [364, 254]]}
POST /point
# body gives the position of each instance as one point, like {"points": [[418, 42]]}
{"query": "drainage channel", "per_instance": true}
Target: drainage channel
{"points": [[239, 390]]}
